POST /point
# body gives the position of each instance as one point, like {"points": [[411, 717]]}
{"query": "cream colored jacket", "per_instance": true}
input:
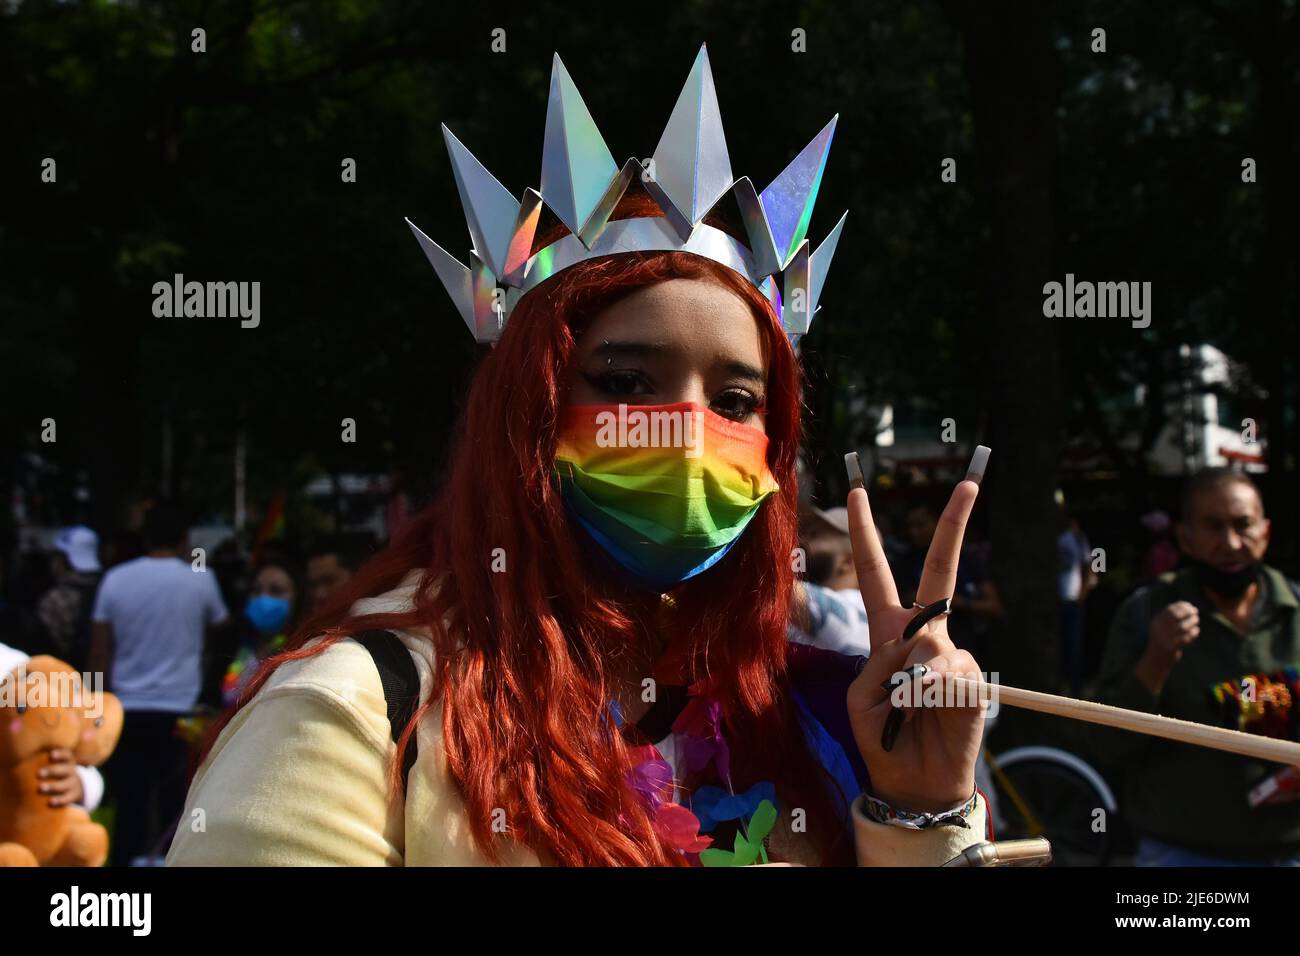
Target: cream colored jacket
{"points": [[297, 778]]}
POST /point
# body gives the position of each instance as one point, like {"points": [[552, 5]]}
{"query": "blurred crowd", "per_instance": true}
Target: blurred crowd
{"points": [[176, 647], [1209, 632]]}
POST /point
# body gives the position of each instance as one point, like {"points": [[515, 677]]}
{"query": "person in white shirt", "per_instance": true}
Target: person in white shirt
{"points": [[150, 621], [836, 616], [65, 781]]}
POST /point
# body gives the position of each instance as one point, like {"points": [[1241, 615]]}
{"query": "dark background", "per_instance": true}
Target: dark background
{"points": [[225, 165]]}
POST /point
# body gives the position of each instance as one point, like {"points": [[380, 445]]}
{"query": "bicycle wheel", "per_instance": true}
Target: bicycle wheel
{"points": [[1042, 791]]}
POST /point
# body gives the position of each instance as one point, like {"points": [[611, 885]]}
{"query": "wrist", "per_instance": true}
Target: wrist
{"points": [[892, 814], [922, 803]]}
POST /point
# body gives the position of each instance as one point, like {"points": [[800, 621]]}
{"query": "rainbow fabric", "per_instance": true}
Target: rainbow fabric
{"points": [[664, 489]]}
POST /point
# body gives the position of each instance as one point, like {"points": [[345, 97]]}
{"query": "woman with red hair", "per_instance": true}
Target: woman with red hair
{"points": [[597, 605]]}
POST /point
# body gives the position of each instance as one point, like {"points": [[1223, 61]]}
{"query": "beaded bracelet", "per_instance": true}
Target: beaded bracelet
{"points": [[880, 811]]}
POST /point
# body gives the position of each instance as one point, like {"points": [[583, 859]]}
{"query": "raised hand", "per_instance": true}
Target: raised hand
{"points": [[1171, 631], [930, 765]]}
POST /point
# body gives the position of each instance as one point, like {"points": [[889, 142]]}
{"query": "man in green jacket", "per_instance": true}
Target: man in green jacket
{"points": [[1212, 643]]}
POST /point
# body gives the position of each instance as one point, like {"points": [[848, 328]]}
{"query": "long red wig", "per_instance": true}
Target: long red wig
{"points": [[524, 659]]}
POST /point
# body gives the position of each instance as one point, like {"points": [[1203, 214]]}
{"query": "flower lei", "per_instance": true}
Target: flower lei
{"points": [[242, 667], [697, 734]]}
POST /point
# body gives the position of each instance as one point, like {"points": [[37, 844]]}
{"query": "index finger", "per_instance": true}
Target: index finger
{"points": [[939, 576], [875, 579]]}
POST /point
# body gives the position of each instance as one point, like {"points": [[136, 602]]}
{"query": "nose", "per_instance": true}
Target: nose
{"points": [[689, 390], [1236, 541]]}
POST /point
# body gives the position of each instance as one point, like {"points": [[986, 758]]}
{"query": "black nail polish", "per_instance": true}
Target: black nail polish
{"points": [[889, 735], [928, 614]]}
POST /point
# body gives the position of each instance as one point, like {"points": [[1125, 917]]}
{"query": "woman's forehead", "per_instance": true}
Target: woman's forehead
{"points": [[682, 318]]}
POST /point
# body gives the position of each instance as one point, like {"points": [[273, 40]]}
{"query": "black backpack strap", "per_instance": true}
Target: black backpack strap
{"points": [[401, 682]]}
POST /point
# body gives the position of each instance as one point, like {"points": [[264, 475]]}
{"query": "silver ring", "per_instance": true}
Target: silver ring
{"points": [[921, 607], [929, 612]]}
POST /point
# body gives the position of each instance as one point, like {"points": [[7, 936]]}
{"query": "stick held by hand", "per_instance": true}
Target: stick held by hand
{"points": [[1154, 725]]}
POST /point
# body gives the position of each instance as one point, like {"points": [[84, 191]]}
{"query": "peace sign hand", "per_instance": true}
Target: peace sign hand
{"points": [[930, 767]]}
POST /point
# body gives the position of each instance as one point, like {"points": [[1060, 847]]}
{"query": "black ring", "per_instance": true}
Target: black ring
{"points": [[928, 614]]}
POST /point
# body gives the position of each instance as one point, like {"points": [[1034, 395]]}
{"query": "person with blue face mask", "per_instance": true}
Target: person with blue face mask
{"points": [[269, 613]]}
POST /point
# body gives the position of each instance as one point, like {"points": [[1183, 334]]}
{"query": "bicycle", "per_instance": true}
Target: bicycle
{"points": [[1047, 792]]}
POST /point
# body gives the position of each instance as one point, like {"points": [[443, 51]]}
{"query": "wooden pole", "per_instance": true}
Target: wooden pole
{"points": [[1154, 725]]}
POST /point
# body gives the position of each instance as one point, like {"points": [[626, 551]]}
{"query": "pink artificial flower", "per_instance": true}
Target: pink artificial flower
{"points": [[701, 724], [681, 828]]}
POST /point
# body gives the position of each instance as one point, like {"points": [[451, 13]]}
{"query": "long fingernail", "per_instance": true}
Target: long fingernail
{"points": [[889, 735], [909, 673], [979, 461], [854, 465]]}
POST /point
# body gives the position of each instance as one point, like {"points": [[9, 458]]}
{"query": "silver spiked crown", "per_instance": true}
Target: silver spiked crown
{"points": [[690, 179]]}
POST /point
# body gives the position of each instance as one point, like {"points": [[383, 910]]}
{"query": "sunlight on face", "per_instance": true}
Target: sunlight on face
{"points": [[684, 340], [1227, 527]]}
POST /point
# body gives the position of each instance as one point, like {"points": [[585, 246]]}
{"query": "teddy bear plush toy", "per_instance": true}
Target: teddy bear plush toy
{"points": [[51, 710]]}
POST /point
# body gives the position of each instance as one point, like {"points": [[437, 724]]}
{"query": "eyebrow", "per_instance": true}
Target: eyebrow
{"points": [[745, 370], [630, 348]]}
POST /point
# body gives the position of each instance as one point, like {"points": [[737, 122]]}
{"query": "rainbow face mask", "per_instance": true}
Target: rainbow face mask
{"points": [[666, 490]]}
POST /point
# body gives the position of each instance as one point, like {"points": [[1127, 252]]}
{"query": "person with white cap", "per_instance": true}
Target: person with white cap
{"points": [[64, 610]]}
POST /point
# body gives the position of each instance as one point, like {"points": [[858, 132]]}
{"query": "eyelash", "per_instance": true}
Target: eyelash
{"points": [[608, 382]]}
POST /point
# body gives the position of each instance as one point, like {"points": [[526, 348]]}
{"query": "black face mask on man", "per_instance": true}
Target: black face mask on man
{"points": [[1228, 584]]}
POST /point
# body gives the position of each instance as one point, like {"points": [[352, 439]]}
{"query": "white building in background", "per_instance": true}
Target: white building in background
{"points": [[1207, 425], [1207, 399]]}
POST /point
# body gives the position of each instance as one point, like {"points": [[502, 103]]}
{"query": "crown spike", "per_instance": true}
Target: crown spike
{"points": [[599, 217], [788, 201], [577, 166], [772, 289], [521, 239], [489, 311], [766, 258], [691, 164], [820, 264], [455, 277], [490, 210], [796, 314]]}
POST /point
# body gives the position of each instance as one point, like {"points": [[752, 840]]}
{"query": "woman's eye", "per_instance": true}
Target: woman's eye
{"points": [[620, 383], [736, 404]]}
